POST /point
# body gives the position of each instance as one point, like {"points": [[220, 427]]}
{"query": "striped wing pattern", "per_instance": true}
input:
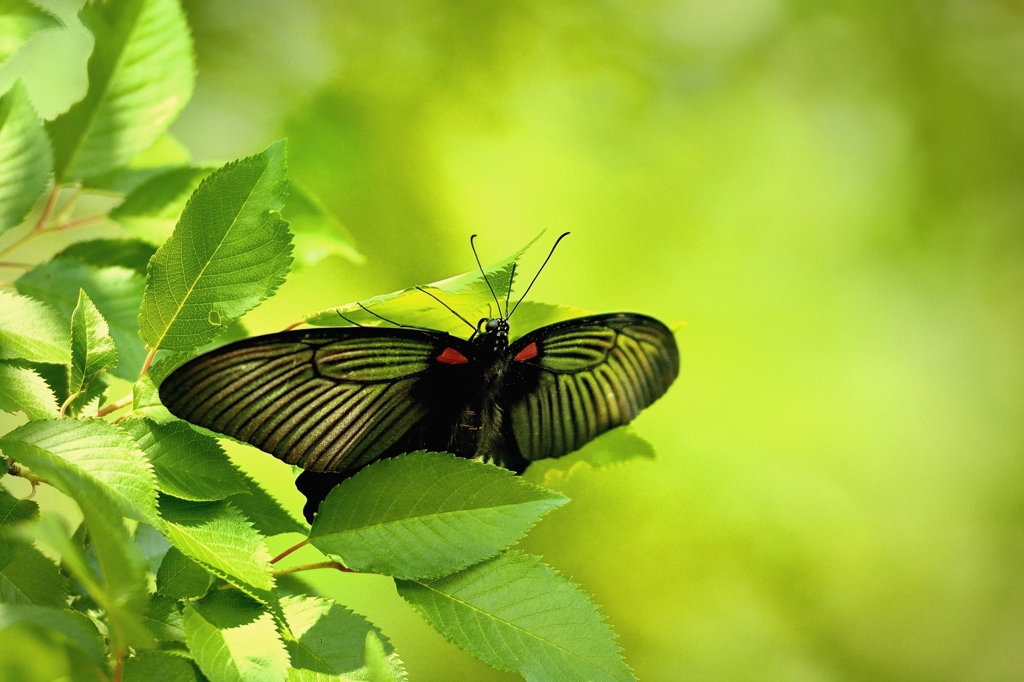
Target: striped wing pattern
{"points": [[325, 400], [588, 375]]}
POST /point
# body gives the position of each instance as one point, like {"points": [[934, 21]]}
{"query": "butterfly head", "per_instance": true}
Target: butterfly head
{"points": [[493, 332]]}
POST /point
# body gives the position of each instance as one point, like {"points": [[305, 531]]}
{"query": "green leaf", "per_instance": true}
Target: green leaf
{"points": [[133, 254], [427, 514], [92, 349], [121, 592], [181, 578], [19, 20], [162, 618], [617, 446], [330, 640], [160, 666], [164, 154], [12, 512], [467, 293], [317, 233], [265, 512], [23, 389], [222, 540], [25, 159], [151, 209], [188, 464], [380, 665], [74, 626], [146, 392], [31, 330], [518, 615], [28, 577], [116, 292], [141, 74], [532, 315], [85, 457], [235, 639], [230, 250]]}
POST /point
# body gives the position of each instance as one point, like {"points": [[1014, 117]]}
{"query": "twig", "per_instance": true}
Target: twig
{"points": [[51, 201], [289, 551], [148, 362], [119, 665], [338, 566], [114, 406], [293, 325], [77, 223], [8, 264]]}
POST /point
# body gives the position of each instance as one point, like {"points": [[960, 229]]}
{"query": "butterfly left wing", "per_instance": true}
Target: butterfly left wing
{"points": [[569, 382], [327, 400]]}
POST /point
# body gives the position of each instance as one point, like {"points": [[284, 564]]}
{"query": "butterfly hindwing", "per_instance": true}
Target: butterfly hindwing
{"points": [[572, 381], [327, 399]]}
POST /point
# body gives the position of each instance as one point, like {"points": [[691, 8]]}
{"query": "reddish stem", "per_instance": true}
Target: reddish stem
{"points": [[148, 362], [119, 666], [48, 209], [323, 564], [289, 551], [114, 406], [78, 223]]}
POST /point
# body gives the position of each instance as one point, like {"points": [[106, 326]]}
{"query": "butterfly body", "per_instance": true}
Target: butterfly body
{"points": [[332, 400]]}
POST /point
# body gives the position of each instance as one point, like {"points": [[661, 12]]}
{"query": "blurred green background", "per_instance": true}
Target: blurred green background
{"points": [[830, 194]]}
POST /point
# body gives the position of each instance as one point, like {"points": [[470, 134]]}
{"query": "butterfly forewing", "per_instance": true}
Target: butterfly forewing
{"points": [[326, 400], [572, 381]]}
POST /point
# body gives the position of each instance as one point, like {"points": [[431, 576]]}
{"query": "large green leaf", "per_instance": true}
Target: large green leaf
{"points": [[317, 232], [25, 158], [330, 640], [116, 292], [19, 20], [180, 577], [92, 349], [235, 639], [427, 514], [617, 446], [74, 626], [518, 615], [380, 665], [151, 209], [12, 512], [133, 254], [84, 457], [163, 155], [188, 464], [162, 618], [467, 293], [222, 540], [23, 389], [141, 74], [160, 666], [267, 514], [28, 577], [230, 250], [31, 330]]}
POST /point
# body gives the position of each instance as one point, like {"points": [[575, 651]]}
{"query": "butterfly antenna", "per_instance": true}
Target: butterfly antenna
{"points": [[560, 238], [480, 265], [381, 317], [454, 312], [511, 277], [354, 324]]}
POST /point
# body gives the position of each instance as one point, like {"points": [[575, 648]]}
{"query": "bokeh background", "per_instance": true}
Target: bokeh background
{"points": [[830, 194]]}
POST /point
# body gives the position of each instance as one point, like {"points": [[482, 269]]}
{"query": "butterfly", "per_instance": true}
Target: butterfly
{"points": [[333, 400]]}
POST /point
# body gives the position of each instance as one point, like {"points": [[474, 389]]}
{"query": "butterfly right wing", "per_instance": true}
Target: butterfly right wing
{"points": [[328, 400]]}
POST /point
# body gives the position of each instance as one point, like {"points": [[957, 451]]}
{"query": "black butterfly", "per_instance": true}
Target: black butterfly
{"points": [[333, 400]]}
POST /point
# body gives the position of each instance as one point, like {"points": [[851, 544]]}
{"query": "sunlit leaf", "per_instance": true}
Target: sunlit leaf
{"points": [[163, 155], [76, 627], [160, 666], [187, 464], [265, 512], [19, 20], [141, 74], [330, 639], [23, 389], [33, 331], [116, 292], [221, 539], [230, 250], [162, 617], [427, 514], [25, 159], [92, 349], [133, 254], [146, 391], [466, 293], [518, 615], [151, 209], [617, 446], [532, 315], [28, 577], [380, 665], [235, 639], [317, 233], [181, 578]]}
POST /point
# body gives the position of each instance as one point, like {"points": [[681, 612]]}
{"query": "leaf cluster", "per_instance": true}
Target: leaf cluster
{"points": [[168, 575]]}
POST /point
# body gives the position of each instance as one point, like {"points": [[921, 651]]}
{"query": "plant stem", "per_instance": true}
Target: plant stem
{"points": [[114, 406], [119, 666], [148, 362], [308, 567], [77, 223], [8, 264], [289, 551], [51, 201]]}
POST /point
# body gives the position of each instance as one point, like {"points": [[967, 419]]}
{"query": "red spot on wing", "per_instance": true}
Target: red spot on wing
{"points": [[527, 353], [450, 356]]}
